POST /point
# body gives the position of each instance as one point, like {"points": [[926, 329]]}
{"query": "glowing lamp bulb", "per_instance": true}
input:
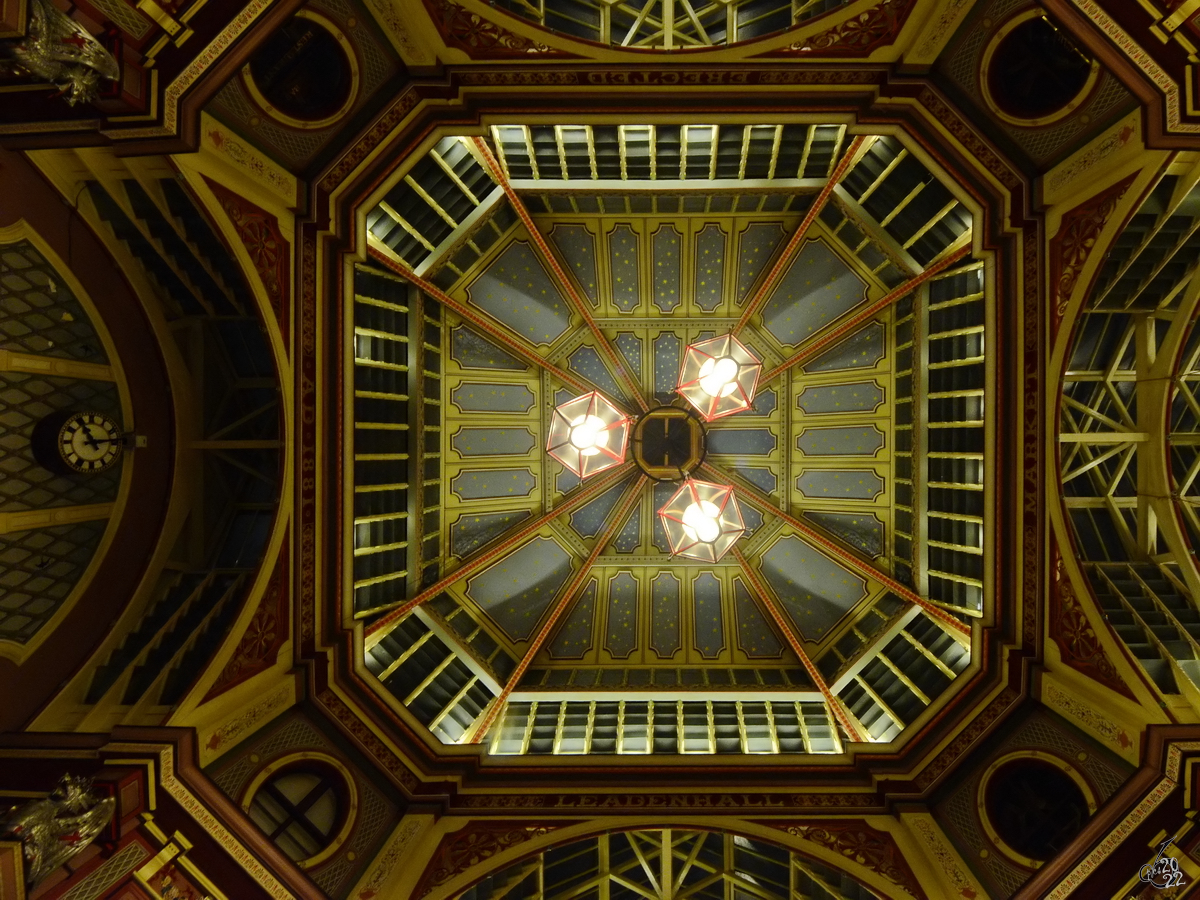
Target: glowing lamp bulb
{"points": [[588, 434], [701, 521], [718, 377]]}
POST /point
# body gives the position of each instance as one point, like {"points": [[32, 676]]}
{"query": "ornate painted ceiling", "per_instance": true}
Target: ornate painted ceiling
{"points": [[344, 556], [504, 602]]}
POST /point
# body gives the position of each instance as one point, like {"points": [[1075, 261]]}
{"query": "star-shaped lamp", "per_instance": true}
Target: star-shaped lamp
{"points": [[588, 434], [718, 376], [702, 520]]}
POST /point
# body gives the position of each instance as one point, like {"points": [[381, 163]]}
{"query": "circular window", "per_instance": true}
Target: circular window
{"points": [[306, 74], [305, 804], [1032, 804], [1032, 72]]}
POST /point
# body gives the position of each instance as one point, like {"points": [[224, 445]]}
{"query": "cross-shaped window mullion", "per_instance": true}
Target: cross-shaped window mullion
{"points": [[295, 812]]}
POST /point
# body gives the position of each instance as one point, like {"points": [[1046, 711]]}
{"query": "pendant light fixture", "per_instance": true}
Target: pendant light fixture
{"points": [[702, 520], [718, 376], [588, 434]]}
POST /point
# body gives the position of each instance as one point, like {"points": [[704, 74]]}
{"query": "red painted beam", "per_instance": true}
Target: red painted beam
{"points": [[632, 495], [589, 491], [482, 323], [837, 332], [785, 258], [578, 304], [766, 599]]}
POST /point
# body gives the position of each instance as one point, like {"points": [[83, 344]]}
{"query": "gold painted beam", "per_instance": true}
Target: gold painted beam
{"points": [[12, 361], [584, 494], [767, 600], [632, 495], [789, 251], [28, 519]]}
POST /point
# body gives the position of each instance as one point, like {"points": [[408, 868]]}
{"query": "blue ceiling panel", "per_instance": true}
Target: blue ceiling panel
{"points": [[816, 289], [861, 350], [629, 538], [666, 268], [589, 519], [857, 440], [710, 624], [741, 441], [517, 589], [709, 288], [586, 362], [623, 267], [490, 483], [574, 638], [621, 634], [839, 484], [861, 396], [474, 396], [578, 248], [756, 637], [472, 351], [862, 531], [664, 622], [815, 590], [757, 245], [515, 289], [469, 533], [493, 441]]}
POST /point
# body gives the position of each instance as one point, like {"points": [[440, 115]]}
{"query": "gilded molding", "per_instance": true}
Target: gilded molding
{"points": [[261, 167], [860, 843], [473, 844], [1078, 643], [1120, 135], [229, 733], [962, 881], [1087, 716], [1104, 849], [858, 35], [953, 11], [246, 17], [205, 819], [967, 737], [387, 860], [268, 248], [481, 38], [1144, 61], [1073, 244], [270, 627]]}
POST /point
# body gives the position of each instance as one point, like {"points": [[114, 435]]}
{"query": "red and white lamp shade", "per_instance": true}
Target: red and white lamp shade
{"points": [[718, 377], [702, 520], [588, 434]]}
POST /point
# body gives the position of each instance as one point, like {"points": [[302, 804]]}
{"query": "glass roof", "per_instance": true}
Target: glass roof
{"points": [[656, 25], [506, 603]]}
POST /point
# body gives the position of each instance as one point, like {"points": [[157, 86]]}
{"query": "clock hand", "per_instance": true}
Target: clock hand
{"points": [[89, 439]]}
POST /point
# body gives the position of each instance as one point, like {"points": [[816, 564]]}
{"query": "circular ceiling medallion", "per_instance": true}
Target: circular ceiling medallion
{"points": [[668, 443], [1033, 74], [306, 75], [1032, 804]]}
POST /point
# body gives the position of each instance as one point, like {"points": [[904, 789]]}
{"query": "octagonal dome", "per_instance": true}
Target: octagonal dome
{"points": [[506, 603]]}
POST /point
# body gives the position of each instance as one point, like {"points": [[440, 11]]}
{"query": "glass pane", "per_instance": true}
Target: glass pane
{"points": [[296, 785]]}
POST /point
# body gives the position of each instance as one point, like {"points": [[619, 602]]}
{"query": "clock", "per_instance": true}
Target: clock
{"points": [[89, 442]]}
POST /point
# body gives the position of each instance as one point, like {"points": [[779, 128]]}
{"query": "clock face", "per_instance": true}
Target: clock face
{"points": [[89, 442]]}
